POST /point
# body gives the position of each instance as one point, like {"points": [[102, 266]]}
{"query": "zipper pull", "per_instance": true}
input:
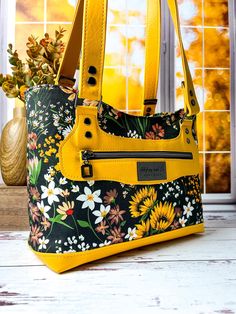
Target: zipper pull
{"points": [[87, 168], [87, 155]]}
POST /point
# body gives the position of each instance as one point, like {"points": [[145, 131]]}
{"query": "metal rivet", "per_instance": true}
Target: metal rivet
{"points": [[91, 81], [92, 69], [193, 102], [87, 121], [88, 134], [148, 109], [187, 131], [188, 140], [191, 93]]}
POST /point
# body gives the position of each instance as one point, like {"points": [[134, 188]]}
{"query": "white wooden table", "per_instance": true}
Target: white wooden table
{"points": [[196, 274]]}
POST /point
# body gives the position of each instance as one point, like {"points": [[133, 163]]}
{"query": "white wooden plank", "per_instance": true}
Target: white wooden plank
{"points": [[183, 287], [220, 219], [214, 244], [219, 207]]}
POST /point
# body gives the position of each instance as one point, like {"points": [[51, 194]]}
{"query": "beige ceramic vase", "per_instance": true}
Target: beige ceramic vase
{"points": [[13, 149]]}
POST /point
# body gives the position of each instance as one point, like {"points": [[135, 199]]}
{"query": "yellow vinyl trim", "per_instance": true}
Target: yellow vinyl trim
{"points": [[71, 55], [93, 48], [62, 262], [122, 170], [190, 99], [152, 58]]}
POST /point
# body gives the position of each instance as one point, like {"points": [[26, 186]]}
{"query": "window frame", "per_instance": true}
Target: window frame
{"points": [[7, 22], [7, 35], [167, 91]]}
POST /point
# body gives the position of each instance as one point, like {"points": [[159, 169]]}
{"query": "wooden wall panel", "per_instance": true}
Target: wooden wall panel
{"points": [[13, 208]]}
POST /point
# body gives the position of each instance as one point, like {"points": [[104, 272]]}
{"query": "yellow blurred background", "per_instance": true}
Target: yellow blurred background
{"points": [[205, 30]]}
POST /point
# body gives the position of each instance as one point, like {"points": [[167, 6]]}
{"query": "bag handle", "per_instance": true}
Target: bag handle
{"points": [[191, 104], [70, 60], [86, 12], [152, 57], [94, 26]]}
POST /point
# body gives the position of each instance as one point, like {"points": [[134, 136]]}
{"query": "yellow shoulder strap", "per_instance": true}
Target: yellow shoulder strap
{"points": [[190, 99], [93, 63], [93, 50], [70, 61], [152, 57], [153, 44]]}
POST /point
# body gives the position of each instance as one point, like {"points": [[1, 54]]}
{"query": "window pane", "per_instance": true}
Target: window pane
{"points": [[217, 131], [23, 31], [217, 89], [114, 87], [51, 28], [28, 12], [190, 12], [216, 12], [193, 44], [60, 10], [117, 12], [216, 52], [218, 173], [208, 53], [115, 46], [135, 88], [136, 11], [135, 46]]}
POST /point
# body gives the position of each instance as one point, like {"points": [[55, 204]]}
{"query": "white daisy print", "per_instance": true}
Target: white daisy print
{"points": [[67, 131], [62, 181], [75, 188], [105, 243], [43, 243], [51, 193], [101, 213], [44, 209], [188, 210], [182, 221], [90, 183], [68, 119], [89, 198], [51, 171], [131, 235], [48, 178]]}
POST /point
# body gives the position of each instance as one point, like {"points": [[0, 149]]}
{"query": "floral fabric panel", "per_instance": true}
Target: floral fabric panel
{"points": [[73, 216]]}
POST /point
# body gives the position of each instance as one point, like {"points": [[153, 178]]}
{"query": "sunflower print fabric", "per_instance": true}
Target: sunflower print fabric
{"points": [[73, 216]]}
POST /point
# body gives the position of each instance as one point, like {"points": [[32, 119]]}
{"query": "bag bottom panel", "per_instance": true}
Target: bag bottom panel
{"points": [[63, 262]]}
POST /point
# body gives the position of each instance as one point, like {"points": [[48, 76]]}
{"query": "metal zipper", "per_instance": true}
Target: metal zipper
{"points": [[87, 155]]}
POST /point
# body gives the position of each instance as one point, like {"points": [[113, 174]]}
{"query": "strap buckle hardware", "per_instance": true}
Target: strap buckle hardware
{"points": [[150, 102]]}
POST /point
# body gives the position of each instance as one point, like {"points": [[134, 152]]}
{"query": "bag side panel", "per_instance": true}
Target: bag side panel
{"points": [[71, 216]]}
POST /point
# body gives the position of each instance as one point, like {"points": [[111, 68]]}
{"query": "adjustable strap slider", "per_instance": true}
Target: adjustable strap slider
{"points": [[150, 102]]}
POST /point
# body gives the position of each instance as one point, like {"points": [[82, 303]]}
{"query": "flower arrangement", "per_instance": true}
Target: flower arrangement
{"points": [[40, 67]]}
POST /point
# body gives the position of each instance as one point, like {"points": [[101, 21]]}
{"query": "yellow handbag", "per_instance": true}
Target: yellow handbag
{"points": [[101, 181]]}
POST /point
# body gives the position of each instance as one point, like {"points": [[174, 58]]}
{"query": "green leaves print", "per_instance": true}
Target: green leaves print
{"points": [[34, 168]]}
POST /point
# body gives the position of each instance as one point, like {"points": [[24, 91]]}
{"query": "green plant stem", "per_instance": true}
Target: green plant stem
{"points": [[75, 225], [90, 226]]}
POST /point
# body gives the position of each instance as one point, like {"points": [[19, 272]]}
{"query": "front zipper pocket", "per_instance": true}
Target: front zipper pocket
{"points": [[87, 155]]}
